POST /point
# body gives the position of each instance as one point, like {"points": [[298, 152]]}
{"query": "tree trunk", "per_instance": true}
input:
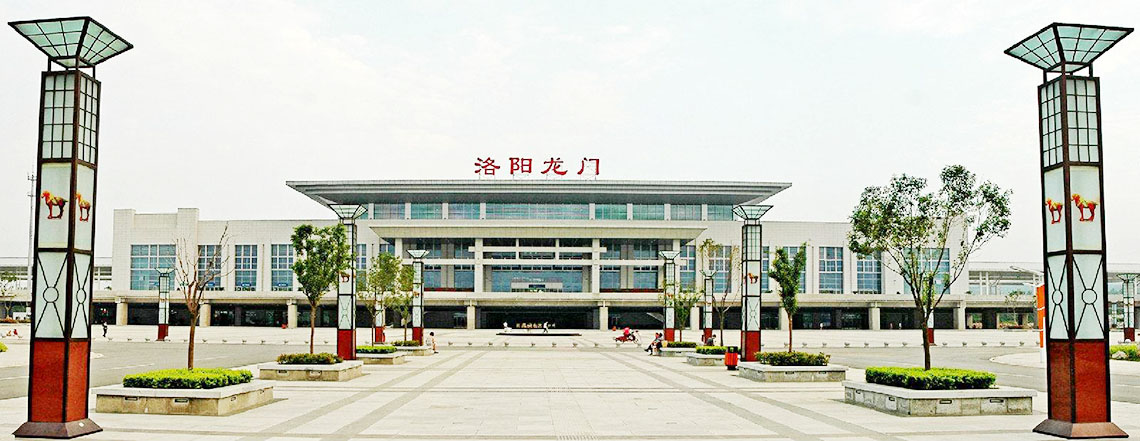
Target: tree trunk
{"points": [[405, 320], [789, 329], [312, 325], [373, 328], [925, 346], [190, 349]]}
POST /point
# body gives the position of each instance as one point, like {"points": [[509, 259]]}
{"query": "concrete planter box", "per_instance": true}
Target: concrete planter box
{"points": [[415, 350], [343, 371], [203, 402], [696, 359], [676, 352], [792, 374], [394, 358], [909, 402]]}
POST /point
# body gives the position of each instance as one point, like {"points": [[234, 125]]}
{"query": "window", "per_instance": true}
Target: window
{"points": [[792, 252], [613, 249], [611, 211], [499, 242], [937, 260], [573, 255], [536, 255], [434, 247], [719, 261], [387, 211], [432, 277], [536, 278], [688, 263], [427, 211], [576, 243], [868, 274], [465, 277], [645, 250], [462, 248], [645, 277], [280, 267], [500, 255], [245, 267], [361, 256], [534, 242], [611, 277], [764, 262], [648, 212], [462, 211], [685, 212], [145, 260], [720, 212], [538, 211], [210, 266], [387, 246], [831, 270]]}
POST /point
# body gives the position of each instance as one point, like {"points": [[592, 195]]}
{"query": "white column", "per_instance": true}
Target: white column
{"points": [[471, 319], [121, 311], [784, 321], [204, 314], [873, 317], [960, 316], [291, 313], [695, 318], [603, 317]]}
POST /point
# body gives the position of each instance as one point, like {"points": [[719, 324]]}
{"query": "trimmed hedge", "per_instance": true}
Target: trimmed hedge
{"points": [[732, 349], [795, 358], [406, 343], [375, 349], [188, 379], [681, 344], [1129, 350], [934, 379], [305, 358], [711, 350], [3, 348]]}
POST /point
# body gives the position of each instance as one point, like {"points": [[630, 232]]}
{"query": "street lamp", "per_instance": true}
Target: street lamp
{"points": [[710, 303], [1076, 278], [752, 256], [346, 290], [1129, 305], [164, 302], [418, 294], [66, 169], [669, 291]]}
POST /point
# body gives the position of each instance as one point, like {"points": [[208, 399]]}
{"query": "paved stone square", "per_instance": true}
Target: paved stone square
{"points": [[559, 394]]}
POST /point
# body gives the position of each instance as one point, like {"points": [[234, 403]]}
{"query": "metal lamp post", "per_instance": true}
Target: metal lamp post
{"points": [[752, 257], [710, 303], [346, 290], [1076, 279], [1129, 305], [669, 291], [62, 271], [418, 294], [164, 302]]}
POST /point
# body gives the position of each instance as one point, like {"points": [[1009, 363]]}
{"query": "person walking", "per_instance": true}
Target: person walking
{"points": [[104, 329], [432, 335], [545, 327]]}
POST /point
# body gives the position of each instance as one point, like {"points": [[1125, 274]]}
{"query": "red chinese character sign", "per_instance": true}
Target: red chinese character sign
{"points": [[65, 214], [1076, 279], [524, 167]]}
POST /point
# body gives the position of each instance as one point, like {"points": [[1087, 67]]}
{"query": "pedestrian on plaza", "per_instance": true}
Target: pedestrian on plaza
{"points": [[710, 341], [432, 335], [104, 329], [545, 327]]}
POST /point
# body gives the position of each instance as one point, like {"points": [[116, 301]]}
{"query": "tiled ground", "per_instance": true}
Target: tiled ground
{"points": [[558, 394]]}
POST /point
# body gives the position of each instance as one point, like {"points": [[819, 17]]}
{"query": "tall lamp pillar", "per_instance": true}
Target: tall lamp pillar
{"points": [[1129, 315], [164, 303], [346, 289], [669, 291], [62, 272], [752, 257], [707, 323], [418, 294], [1076, 278]]}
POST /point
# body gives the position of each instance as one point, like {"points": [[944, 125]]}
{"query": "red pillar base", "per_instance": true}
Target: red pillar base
{"points": [[1065, 429], [66, 430], [750, 345], [707, 335], [418, 335], [378, 334], [346, 343], [669, 334], [163, 332], [1130, 334], [930, 335]]}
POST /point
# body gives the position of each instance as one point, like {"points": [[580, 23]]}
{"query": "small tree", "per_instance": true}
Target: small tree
{"points": [[322, 255], [196, 268], [911, 230], [1011, 301], [7, 293], [401, 299], [786, 271], [381, 286], [682, 304], [708, 250]]}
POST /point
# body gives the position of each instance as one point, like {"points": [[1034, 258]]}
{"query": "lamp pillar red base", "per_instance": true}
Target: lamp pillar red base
{"points": [[1065, 429], [750, 345], [346, 343], [1130, 334], [68, 430], [1078, 391], [669, 334], [57, 398], [706, 335], [163, 332], [418, 335], [930, 335], [378, 334]]}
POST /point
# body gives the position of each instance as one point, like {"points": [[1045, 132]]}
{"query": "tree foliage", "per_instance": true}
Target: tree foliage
{"points": [[384, 285], [322, 255], [786, 271]]}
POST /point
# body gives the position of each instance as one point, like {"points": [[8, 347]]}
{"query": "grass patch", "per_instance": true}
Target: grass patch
{"points": [[406, 343], [794, 358], [711, 350], [305, 358], [188, 379], [375, 349], [681, 344], [934, 379]]}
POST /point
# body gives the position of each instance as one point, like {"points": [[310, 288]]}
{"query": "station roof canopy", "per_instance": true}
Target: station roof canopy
{"points": [[1063, 47], [74, 41], [538, 191]]}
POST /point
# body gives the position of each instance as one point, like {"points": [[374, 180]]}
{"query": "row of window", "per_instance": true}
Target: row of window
{"points": [[549, 211]]}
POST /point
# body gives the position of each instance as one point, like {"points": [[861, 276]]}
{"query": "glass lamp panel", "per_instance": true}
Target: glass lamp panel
{"points": [[51, 296], [670, 317], [84, 207], [751, 313], [54, 203], [344, 306], [81, 297], [1056, 298], [752, 277], [1056, 203], [417, 316], [1086, 209], [345, 284], [1088, 296]]}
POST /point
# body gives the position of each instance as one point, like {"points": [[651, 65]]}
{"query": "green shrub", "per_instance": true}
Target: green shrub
{"points": [[732, 349], [188, 379], [711, 350], [375, 349], [934, 379], [785, 358], [303, 358], [3, 348], [681, 344], [1129, 350], [406, 343]]}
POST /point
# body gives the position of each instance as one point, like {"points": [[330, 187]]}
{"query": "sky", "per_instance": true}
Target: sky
{"points": [[220, 103]]}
